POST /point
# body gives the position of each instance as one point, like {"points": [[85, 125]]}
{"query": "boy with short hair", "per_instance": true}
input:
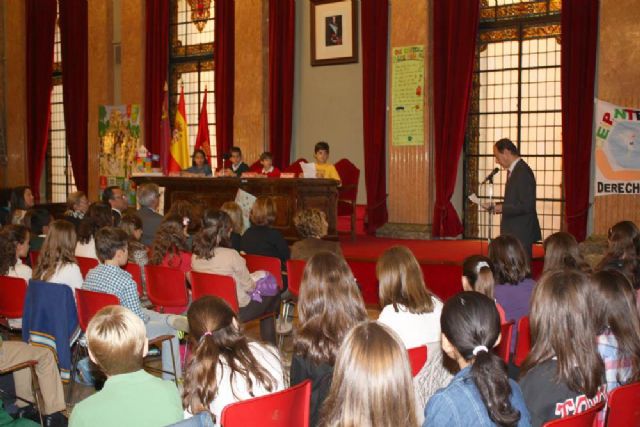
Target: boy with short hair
{"points": [[238, 167], [109, 277], [130, 396], [266, 160], [324, 169]]}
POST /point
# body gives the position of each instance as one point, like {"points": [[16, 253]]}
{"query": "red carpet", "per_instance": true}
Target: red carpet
{"points": [[441, 261]]}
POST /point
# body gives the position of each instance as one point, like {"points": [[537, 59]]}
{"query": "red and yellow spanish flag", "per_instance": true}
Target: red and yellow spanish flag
{"points": [[179, 153]]}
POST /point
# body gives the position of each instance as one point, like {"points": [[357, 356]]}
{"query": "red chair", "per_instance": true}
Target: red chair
{"points": [[136, 273], [295, 167], [348, 191], [86, 264], [504, 348], [33, 257], [287, 408], [523, 343], [295, 268], [624, 406], [266, 263], [417, 358], [89, 303], [256, 167], [166, 288], [216, 285], [583, 419], [13, 291]]}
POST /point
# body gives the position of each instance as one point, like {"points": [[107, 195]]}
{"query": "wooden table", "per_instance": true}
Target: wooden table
{"points": [[289, 195]]}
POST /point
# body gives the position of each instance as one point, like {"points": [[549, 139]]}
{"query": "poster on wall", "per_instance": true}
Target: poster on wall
{"points": [[617, 149], [119, 131], [407, 95]]}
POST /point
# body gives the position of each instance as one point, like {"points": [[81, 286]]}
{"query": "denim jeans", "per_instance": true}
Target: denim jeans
{"points": [[157, 325]]}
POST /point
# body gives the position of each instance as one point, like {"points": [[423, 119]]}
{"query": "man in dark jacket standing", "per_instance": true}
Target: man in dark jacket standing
{"points": [[519, 216]]}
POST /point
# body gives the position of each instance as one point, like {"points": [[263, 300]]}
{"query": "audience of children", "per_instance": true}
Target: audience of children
{"points": [[98, 216], [480, 393], [323, 168], [130, 396], [212, 253], [312, 226], [585, 329], [109, 277], [77, 206], [261, 238], [149, 199], [237, 220], [270, 171], [225, 366], [563, 374], [57, 261], [329, 305], [371, 367], [170, 247], [477, 275]]}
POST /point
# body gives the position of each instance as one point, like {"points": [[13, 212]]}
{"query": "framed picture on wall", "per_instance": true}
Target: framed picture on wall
{"points": [[334, 33]]}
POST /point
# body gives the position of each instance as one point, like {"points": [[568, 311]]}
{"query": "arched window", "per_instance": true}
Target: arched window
{"points": [[516, 95]]}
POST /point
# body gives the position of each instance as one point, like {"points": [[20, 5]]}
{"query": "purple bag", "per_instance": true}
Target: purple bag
{"points": [[267, 286]]}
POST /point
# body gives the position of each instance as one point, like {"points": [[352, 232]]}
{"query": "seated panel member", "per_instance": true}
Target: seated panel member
{"points": [[200, 165], [238, 167], [266, 160], [323, 168]]}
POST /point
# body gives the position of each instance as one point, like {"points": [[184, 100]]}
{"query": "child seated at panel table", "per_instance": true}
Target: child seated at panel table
{"points": [[238, 167], [266, 160], [323, 168]]}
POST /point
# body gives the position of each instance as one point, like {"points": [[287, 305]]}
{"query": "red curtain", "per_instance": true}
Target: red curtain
{"points": [[224, 71], [455, 28], [41, 22], [282, 25], [156, 70], [74, 39], [375, 32], [578, 59]]}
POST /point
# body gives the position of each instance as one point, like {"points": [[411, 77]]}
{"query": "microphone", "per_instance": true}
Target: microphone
{"points": [[491, 175]]}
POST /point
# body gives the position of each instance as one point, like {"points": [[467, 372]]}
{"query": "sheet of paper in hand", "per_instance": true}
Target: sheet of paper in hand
{"points": [[245, 201]]}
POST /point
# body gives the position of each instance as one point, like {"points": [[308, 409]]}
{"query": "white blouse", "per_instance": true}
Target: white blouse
{"points": [[21, 271], [415, 330], [86, 250], [68, 274], [266, 356]]}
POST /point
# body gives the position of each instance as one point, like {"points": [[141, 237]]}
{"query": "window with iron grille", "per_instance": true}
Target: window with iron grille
{"points": [[191, 60], [59, 174], [516, 95]]}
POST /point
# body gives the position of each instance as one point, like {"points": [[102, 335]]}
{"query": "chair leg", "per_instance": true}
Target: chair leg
{"points": [[173, 363], [35, 385]]}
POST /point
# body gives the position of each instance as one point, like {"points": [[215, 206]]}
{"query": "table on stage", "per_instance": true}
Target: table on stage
{"points": [[289, 195]]}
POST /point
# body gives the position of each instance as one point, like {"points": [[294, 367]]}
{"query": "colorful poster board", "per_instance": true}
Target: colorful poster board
{"points": [[617, 149], [407, 95]]}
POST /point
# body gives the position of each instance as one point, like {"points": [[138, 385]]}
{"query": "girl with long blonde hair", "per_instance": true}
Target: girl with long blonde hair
{"points": [[57, 261]]}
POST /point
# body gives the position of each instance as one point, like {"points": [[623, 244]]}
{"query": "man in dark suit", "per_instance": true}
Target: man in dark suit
{"points": [[115, 197], [149, 199], [519, 216]]}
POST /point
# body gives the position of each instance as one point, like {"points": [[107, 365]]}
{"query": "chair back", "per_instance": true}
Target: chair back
{"points": [[583, 419], [349, 176], [287, 408], [89, 303], [255, 167], [136, 274], [417, 358], [295, 268], [216, 285], [523, 343], [166, 286], [295, 166], [624, 406], [86, 264], [13, 291], [504, 348], [266, 263], [33, 257]]}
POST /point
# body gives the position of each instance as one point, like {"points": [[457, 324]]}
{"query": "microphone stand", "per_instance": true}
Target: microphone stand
{"points": [[491, 209]]}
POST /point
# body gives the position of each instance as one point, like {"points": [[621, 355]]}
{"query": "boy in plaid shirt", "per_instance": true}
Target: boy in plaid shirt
{"points": [[109, 277]]}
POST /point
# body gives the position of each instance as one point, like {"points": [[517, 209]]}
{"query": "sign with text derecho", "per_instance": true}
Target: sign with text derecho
{"points": [[617, 151]]}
